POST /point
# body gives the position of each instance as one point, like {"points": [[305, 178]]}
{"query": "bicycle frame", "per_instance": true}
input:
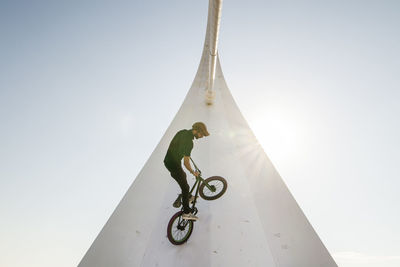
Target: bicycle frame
{"points": [[197, 183], [183, 223], [179, 229], [199, 180]]}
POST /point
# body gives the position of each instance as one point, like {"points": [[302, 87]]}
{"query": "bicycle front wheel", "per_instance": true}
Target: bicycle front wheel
{"points": [[217, 187], [179, 230]]}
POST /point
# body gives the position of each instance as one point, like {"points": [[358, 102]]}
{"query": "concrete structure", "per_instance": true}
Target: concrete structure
{"points": [[256, 222]]}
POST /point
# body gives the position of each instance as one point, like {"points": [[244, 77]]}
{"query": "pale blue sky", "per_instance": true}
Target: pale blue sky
{"points": [[87, 88]]}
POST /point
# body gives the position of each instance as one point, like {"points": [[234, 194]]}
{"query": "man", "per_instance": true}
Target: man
{"points": [[181, 147]]}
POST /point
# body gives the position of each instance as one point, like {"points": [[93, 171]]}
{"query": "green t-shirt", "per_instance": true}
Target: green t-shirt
{"points": [[180, 146]]}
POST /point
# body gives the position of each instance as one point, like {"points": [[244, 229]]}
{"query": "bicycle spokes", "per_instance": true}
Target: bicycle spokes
{"points": [[179, 230], [212, 187]]}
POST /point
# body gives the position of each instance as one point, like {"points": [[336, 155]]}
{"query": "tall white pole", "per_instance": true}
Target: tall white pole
{"points": [[214, 15]]}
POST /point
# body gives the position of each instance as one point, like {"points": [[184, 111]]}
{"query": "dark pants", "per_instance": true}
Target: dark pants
{"points": [[180, 176]]}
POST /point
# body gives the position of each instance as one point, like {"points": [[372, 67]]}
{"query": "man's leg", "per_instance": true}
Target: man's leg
{"points": [[180, 176]]}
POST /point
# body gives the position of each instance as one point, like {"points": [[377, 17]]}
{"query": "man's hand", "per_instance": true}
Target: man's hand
{"points": [[196, 173], [186, 162]]}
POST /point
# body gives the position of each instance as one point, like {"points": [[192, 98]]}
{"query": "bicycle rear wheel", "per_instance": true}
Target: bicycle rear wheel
{"points": [[179, 230], [218, 186]]}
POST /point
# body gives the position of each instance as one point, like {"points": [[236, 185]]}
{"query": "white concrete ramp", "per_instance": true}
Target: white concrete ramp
{"points": [[256, 222]]}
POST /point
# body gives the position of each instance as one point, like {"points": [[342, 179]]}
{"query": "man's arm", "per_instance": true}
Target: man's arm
{"points": [[186, 162]]}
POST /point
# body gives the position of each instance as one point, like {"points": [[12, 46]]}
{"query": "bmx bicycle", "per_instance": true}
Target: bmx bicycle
{"points": [[179, 229]]}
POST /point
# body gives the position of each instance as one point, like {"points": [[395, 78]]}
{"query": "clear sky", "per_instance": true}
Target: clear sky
{"points": [[87, 89]]}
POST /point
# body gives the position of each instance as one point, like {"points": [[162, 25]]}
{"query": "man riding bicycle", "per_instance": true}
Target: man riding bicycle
{"points": [[181, 147]]}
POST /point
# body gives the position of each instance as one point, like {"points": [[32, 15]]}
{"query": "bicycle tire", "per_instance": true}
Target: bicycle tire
{"points": [[220, 185], [173, 231]]}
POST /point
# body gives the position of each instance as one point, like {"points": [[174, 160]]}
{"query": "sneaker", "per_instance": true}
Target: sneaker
{"points": [[177, 202], [190, 217]]}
